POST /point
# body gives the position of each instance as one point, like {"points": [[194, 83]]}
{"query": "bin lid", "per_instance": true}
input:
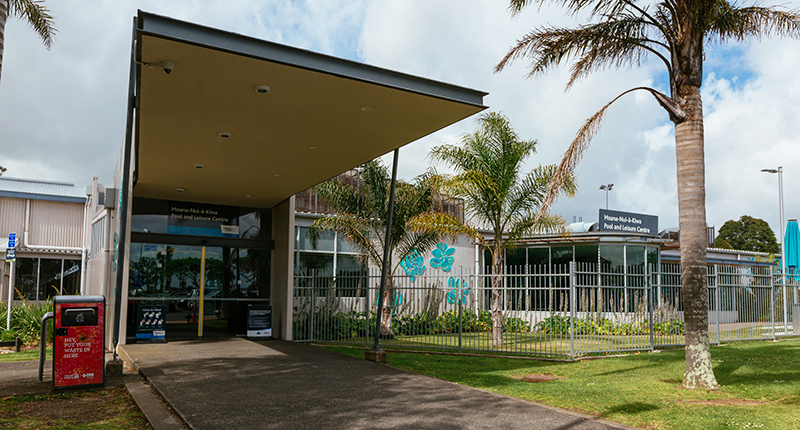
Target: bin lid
{"points": [[79, 299]]}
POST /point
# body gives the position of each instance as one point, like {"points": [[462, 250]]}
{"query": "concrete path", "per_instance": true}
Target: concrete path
{"points": [[239, 384]]}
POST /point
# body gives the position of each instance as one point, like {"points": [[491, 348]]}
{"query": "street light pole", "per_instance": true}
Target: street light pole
{"points": [[606, 187], [779, 171]]}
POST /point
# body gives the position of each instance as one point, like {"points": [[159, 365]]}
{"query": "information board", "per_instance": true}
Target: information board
{"points": [[151, 324], [259, 321]]}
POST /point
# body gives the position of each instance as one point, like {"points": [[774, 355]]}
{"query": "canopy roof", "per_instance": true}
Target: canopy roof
{"points": [[321, 116]]}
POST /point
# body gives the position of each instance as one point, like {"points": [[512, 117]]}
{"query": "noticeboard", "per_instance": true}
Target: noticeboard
{"points": [[151, 324], [78, 347], [259, 321]]}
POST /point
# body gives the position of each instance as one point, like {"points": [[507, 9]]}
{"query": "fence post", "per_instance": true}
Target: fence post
{"points": [[718, 296], [460, 306], [648, 279], [772, 305], [572, 310], [313, 307]]}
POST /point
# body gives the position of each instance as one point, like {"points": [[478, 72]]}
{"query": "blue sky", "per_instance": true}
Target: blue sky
{"points": [[62, 112]]}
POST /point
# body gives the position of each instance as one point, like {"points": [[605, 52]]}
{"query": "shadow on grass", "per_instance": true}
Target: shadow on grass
{"points": [[630, 408]]}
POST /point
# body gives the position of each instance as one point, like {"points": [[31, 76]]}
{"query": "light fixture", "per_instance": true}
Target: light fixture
{"points": [[199, 166], [313, 147], [276, 175], [224, 134], [248, 196], [261, 89], [366, 108], [180, 189], [606, 187]]}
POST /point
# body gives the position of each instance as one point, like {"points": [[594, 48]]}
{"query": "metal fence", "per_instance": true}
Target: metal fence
{"points": [[559, 311]]}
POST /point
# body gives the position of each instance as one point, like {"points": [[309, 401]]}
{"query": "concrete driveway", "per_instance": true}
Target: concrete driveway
{"points": [[239, 384]]}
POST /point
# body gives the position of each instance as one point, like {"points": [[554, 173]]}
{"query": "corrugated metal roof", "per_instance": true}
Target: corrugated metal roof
{"points": [[41, 190]]}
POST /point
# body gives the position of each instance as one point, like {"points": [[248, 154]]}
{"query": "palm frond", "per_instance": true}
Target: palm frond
{"points": [[731, 22], [38, 16], [446, 225], [621, 41]]}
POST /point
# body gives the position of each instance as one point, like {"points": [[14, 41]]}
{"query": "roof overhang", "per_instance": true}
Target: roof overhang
{"points": [[322, 115]]}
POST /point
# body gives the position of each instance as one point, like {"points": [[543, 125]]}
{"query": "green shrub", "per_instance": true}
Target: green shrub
{"points": [[26, 321], [558, 324]]}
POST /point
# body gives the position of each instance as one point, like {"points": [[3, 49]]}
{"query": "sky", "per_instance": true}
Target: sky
{"points": [[62, 111]]}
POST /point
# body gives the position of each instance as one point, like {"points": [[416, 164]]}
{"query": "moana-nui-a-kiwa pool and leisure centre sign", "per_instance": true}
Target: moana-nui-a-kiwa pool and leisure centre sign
{"points": [[626, 222]]}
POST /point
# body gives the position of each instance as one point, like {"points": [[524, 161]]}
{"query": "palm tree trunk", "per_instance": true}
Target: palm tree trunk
{"points": [[497, 294], [3, 19], [386, 330], [693, 241]]}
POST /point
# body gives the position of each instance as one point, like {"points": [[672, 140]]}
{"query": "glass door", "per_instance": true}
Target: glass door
{"points": [[205, 289]]}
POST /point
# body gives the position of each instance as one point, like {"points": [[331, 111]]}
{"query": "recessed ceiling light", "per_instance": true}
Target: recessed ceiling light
{"points": [[224, 134], [180, 189], [313, 147], [248, 196], [199, 166], [277, 175], [261, 89], [366, 108]]}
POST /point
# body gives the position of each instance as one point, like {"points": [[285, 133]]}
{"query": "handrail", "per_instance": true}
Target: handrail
{"points": [[43, 343]]}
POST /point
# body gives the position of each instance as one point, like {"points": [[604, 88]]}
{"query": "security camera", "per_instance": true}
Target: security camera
{"points": [[167, 67]]}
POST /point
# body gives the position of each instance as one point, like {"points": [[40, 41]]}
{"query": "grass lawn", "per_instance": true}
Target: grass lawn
{"points": [[95, 408], [760, 385]]}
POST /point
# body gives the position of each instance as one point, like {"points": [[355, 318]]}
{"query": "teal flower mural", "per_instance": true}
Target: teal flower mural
{"points": [[443, 257], [413, 264], [459, 290]]}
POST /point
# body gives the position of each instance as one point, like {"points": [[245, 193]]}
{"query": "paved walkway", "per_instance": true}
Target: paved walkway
{"points": [[239, 384]]}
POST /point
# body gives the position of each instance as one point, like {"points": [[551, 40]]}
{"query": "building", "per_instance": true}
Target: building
{"points": [[45, 221]]}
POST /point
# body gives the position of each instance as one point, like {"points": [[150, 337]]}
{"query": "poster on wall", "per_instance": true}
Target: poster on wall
{"points": [[150, 324], [627, 222], [259, 321], [199, 219]]}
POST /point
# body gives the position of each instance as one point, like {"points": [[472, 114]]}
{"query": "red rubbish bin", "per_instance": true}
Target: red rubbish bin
{"points": [[79, 341]]}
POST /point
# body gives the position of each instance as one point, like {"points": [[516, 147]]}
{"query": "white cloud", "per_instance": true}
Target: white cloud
{"points": [[62, 112]]}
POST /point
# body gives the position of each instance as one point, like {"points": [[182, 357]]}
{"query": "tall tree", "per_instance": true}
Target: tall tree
{"points": [[35, 13], [624, 33], [748, 234], [360, 217], [497, 195]]}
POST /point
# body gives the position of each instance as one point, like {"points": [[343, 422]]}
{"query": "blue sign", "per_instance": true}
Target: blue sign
{"points": [[12, 240]]}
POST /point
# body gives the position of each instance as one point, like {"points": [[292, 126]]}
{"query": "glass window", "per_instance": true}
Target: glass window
{"points": [[344, 245], [49, 278], [562, 256], [325, 242], [539, 259], [586, 254], [351, 277], [25, 272], [634, 256], [72, 278], [612, 258]]}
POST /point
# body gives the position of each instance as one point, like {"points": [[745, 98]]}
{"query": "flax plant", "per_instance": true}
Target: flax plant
{"points": [[624, 33]]}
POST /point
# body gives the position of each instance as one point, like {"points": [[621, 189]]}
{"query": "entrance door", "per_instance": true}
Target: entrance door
{"points": [[205, 289]]}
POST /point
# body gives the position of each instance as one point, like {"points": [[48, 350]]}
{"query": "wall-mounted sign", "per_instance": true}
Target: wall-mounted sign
{"points": [[626, 222], [151, 324], [199, 219], [12, 240], [11, 255], [259, 321]]}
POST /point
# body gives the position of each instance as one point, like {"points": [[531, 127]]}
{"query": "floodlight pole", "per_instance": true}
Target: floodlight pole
{"points": [[606, 187], [375, 354], [779, 171]]}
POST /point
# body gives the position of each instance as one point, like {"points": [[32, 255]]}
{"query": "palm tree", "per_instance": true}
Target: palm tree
{"points": [[497, 195], [360, 217], [32, 11], [624, 33]]}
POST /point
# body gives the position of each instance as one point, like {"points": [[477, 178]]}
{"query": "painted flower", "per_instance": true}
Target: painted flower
{"points": [[442, 257], [413, 264], [458, 290]]}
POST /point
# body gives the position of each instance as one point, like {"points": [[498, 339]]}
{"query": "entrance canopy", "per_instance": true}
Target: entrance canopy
{"points": [[244, 122]]}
